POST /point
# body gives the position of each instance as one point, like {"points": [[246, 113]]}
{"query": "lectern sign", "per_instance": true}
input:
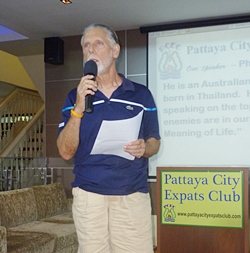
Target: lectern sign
{"points": [[202, 198]]}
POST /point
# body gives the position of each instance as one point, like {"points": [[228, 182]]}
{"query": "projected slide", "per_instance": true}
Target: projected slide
{"points": [[200, 79]]}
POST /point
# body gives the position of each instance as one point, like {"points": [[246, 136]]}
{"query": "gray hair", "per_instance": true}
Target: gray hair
{"points": [[112, 36]]}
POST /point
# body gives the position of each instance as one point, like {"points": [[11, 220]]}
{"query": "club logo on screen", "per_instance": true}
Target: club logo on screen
{"points": [[169, 213], [170, 64]]}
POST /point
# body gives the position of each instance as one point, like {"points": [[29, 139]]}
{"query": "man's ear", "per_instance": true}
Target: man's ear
{"points": [[116, 50]]}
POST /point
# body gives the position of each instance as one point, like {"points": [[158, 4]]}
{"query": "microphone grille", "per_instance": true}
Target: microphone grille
{"points": [[90, 68]]}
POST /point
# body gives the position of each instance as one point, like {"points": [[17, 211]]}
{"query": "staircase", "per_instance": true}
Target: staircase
{"points": [[22, 156]]}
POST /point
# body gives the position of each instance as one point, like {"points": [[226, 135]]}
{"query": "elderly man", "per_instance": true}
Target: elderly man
{"points": [[111, 206]]}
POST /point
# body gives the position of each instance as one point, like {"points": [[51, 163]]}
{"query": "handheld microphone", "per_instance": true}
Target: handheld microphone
{"points": [[90, 68]]}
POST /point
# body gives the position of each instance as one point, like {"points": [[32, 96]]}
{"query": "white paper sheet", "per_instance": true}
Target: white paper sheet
{"points": [[113, 135]]}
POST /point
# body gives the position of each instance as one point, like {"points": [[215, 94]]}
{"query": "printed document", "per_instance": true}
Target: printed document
{"points": [[114, 135]]}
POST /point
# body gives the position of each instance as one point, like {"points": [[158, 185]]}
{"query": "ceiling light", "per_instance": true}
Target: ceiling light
{"points": [[66, 1]]}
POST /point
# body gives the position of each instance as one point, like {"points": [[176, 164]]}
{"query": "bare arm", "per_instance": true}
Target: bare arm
{"points": [[68, 139], [152, 147], [141, 148]]}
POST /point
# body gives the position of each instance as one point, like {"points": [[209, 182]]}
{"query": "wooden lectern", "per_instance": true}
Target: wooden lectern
{"points": [[201, 239]]}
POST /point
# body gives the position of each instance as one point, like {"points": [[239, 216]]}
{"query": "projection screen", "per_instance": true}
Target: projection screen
{"points": [[200, 79]]}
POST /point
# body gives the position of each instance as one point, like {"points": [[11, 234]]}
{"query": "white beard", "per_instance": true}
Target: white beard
{"points": [[105, 65]]}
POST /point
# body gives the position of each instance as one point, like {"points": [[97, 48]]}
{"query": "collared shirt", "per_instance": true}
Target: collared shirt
{"points": [[107, 173]]}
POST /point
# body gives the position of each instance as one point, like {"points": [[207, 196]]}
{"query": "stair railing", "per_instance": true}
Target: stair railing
{"points": [[23, 162], [29, 142], [16, 110]]}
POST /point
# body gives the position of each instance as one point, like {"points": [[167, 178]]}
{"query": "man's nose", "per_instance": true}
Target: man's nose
{"points": [[91, 48]]}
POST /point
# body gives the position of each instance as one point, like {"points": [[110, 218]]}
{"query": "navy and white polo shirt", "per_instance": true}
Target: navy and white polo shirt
{"points": [[111, 174]]}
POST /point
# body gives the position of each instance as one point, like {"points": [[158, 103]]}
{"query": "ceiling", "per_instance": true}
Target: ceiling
{"points": [[50, 18]]}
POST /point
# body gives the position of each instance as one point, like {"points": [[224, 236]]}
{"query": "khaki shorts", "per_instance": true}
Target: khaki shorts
{"points": [[112, 224]]}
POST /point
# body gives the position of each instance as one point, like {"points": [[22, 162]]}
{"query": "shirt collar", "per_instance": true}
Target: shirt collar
{"points": [[126, 84]]}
